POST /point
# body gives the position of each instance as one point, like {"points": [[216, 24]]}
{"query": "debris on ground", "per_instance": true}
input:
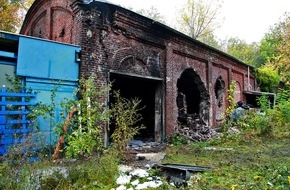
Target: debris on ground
{"points": [[194, 127], [145, 146], [129, 176], [142, 157]]}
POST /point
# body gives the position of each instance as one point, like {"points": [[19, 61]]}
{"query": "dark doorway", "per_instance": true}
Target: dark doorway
{"points": [[187, 86], [145, 90]]}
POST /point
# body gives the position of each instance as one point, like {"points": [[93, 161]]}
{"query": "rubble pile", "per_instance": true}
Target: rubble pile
{"points": [[194, 128]]}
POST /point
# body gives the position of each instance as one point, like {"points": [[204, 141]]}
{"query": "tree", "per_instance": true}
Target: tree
{"points": [[153, 14], [248, 53], [12, 13], [199, 18], [9, 18], [271, 41], [282, 65], [212, 41], [278, 54]]}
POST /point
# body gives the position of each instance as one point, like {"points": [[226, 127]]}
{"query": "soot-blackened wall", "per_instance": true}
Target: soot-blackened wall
{"points": [[118, 44]]}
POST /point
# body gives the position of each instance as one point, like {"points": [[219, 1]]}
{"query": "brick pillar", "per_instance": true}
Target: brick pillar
{"points": [[170, 116], [211, 93]]}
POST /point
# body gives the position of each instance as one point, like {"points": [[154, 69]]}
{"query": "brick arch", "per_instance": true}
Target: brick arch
{"points": [[62, 24], [41, 21], [125, 60], [193, 94]]}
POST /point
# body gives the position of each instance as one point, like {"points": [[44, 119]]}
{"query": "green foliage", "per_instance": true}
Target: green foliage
{"points": [[87, 126], [248, 53], [281, 114], [269, 45], [268, 121], [96, 173], [228, 123], [256, 163], [177, 139], [264, 103], [211, 40], [231, 99], [12, 13], [125, 116], [267, 78], [255, 123]]}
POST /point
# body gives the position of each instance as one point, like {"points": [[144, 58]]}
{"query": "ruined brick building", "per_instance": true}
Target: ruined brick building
{"points": [[170, 72]]}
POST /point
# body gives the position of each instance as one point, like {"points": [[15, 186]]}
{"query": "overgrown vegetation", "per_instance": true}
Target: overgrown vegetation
{"points": [[82, 133], [268, 121], [258, 157], [125, 115], [85, 136]]}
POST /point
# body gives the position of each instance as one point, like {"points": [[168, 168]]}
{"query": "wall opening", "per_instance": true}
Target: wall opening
{"points": [[192, 98], [149, 92], [188, 93], [219, 90]]}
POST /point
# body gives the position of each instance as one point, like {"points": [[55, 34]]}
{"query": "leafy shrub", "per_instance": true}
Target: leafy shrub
{"points": [[231, 100], [267, 79], [87, 124], [268, 120], [125, 116]]}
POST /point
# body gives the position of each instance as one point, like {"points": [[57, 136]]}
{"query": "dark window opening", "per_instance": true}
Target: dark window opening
{"points": [[219, 90], [252, 99], [143, 89]]}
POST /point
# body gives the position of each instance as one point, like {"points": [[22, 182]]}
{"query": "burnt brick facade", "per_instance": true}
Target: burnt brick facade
{"points": [[145, 59]]}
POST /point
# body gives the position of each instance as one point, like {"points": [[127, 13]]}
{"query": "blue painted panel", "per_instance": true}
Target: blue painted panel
{"points": [[46, 59], [7, 54]]}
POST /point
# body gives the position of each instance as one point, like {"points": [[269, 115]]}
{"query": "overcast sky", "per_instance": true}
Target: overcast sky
{"points": [[248, 20]]}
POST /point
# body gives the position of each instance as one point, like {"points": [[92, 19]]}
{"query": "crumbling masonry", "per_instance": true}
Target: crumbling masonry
{"points": [[177, 78]]}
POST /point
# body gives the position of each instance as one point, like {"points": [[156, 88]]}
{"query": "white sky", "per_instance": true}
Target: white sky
{"points": [[248, 20]]}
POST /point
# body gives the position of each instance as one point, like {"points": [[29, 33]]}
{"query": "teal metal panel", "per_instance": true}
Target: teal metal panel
{"points": [[44, 89], [46, 59]]}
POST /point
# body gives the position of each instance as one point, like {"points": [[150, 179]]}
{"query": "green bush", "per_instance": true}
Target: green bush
{"points": [[267, 78], [85, 136], [269, 120], [125, 117]]}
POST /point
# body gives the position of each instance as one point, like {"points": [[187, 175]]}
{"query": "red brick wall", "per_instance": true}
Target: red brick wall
{"points": [[53, 19], [113, 38]]}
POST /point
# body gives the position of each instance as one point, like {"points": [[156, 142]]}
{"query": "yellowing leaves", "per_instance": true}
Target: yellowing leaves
{"points": [[10, 14]]}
